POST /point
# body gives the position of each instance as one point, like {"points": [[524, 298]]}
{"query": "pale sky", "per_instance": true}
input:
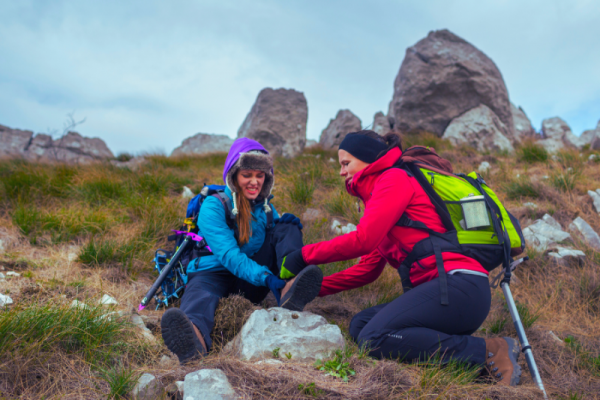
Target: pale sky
{"points": [[147, 74]]}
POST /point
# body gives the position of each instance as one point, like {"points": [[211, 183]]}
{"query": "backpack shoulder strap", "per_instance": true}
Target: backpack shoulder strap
{"points": [[229, 217]]}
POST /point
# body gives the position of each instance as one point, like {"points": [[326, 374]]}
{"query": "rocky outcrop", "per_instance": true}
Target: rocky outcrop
{"points": [[13, 142], [591, 137], [441, 78], [522, 128], [479, 128], [544, 233], [557, 135], [147, 388], [278, 121], [72, 148], [301, 335], [310, 143], [343, 123], [381, 124], [203, 143]]}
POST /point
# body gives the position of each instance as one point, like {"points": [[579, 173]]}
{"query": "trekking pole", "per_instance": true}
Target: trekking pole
{"points": [[514, 313], [164, 273]]}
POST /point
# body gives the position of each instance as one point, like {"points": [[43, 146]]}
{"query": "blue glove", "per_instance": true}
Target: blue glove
{"points": [[288, 218], [275, 284]]}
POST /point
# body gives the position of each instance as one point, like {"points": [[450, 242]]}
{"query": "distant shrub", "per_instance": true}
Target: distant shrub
{"points": [[123, 157], [565, 180], [531, 152]]}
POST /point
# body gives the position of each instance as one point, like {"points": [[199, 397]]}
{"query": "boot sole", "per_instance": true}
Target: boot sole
{"points": [[513, 355], [304, 289], [179, 336]]}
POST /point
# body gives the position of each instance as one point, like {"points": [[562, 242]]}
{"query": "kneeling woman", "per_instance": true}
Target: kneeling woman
{"points": [[247, 253], [416, 325]]}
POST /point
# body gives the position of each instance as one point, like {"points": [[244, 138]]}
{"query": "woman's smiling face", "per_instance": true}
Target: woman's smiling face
{"points": [[251, 182], [350, 165]]}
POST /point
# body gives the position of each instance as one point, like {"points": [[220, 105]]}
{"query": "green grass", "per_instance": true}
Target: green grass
{"points": [[426, 139], [586, 358], [438, 375], [120, 379], [531, 152], [338, 366], [566, 179], [341, 204], [521, 188], [105, 252], [302, 189]]}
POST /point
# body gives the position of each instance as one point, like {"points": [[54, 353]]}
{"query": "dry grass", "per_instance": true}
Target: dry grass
{"points": [[57, 216]]}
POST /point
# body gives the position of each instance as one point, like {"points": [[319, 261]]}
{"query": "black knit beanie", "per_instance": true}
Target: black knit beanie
{"points": [[363, 147]]}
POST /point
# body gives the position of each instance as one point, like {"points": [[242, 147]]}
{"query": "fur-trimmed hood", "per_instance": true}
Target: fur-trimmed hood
{"points": [[249, 154]]}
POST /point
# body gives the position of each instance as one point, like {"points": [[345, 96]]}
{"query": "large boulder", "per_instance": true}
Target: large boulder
{"points": [[381, 124], [13, 142], [203, 143], [278, 121], [591, 137], [337, 129], [479, 128], [441, 78], [557, 135], [545, 233], [302, 335], [522, 128]]}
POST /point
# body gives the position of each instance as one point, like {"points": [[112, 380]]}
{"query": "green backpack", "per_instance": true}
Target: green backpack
{"points": [[478, 225]]}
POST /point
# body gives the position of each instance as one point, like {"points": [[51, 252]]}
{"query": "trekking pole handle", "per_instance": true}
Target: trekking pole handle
{"points": [[164, 273]]}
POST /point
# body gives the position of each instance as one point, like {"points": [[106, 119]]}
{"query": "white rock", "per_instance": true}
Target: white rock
{"points": [[270, 361], [145, 332], [563, 255], [545, 177], [306, 336], [547, 218], [207, 384], [5, 300], [558, 340], [187, 193], [164, 361], [595, 198], [2, 276], [147, 388], [348, 228], [79, 304], [331, 160], [12, 273], [555, 234], [108, 300], [592, 157], [336, 226], [179, 385], [590, 236], [72, 257], [529, 204], [312, 214], [2, 247], [484, 166]]}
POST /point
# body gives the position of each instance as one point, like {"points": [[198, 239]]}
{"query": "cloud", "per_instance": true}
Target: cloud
{"points": [[148, 74]]}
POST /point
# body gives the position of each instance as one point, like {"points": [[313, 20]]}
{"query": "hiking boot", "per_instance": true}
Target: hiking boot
{"points": [[181, 336], [501, 360], [302, 289]]}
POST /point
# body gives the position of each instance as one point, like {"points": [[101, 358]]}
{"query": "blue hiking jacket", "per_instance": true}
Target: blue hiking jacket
{"points": [[227, 254]]}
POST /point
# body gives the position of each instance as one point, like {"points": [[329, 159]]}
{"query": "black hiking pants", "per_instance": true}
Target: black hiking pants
{"points": [[416, 326], [205, 288]]}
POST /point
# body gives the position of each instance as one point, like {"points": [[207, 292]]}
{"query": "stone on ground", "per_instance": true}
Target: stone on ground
{"points": [[590, 237], [5, 300], [544, 233], [484, 167], [207, 384], [312, 214], [108, 300], [479, 128], [144, 332], [187, 193], [595, 198], [442, 77], [203, 143], [277, 120], [303, 335], [147, 388], [564, 255], [337, 129]]}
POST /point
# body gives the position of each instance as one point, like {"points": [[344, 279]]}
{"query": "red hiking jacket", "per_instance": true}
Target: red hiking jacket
{"points": [[386, 194]]}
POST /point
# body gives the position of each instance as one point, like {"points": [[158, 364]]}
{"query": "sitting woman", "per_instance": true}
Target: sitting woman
{"points": [[416, 325], [247, 253]]}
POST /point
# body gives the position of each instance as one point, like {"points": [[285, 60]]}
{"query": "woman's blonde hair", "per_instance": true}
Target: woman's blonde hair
{"points": [[244, 215]]}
